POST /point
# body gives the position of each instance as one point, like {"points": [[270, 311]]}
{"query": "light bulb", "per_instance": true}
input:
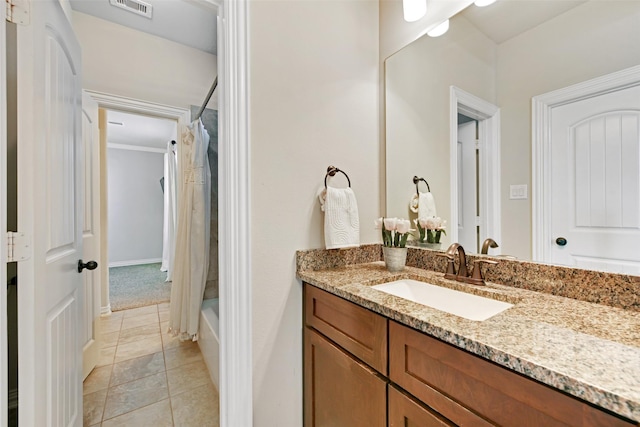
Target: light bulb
{"points": [[414, 9], [439, 29]]}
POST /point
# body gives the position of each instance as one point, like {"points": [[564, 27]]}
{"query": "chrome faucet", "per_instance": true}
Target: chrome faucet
{"points": [[488, 243], [462, 276]]}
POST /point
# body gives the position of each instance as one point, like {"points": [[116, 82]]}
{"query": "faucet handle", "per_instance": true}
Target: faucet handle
{"points": [[451, 266], [476, 276]]}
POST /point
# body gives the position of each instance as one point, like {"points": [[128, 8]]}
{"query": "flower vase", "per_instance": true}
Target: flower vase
{"points": [[394, 258]]}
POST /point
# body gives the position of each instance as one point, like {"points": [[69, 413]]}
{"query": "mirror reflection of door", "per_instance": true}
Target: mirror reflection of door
{"points": [[595, 181], [468, 227]]}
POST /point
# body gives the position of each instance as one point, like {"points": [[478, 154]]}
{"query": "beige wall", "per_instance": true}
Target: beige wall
{"points": [[120, 61], [591, 40], [417, 115], [396, 33], [314, 103]]}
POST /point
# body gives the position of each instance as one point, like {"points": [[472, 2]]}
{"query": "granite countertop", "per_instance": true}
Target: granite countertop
{"points": [[588, 350]]}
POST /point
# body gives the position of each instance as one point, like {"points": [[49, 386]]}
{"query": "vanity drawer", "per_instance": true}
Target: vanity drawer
{"points": [[450, 380], [361, 332]]}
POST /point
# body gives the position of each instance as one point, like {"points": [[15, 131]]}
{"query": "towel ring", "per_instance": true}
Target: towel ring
{"points": [[417, 180], [332, 171]]}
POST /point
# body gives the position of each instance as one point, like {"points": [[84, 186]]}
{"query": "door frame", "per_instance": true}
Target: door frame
{"points": [[234, 164], [4, 381], [115, 102], [488, 117], [541, 110]]}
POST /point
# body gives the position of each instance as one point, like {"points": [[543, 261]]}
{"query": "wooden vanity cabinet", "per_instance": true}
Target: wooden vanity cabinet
{"points": [[429, 382], [345, 363]]}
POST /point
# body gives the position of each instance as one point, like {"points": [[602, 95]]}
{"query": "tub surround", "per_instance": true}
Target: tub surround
{"points": [[555, 333]]}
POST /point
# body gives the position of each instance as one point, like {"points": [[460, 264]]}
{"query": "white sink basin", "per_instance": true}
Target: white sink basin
{"points": [[469, 306]]}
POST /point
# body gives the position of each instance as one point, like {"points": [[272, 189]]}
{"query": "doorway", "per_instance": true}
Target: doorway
{"points": [[138, 146], [475, 169]]}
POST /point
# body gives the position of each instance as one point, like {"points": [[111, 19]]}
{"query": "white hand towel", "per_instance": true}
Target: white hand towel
{"points": [[341, 221], [426, 206]]}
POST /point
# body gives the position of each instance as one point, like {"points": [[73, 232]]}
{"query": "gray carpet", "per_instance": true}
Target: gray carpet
{"points": [[137, 285]]}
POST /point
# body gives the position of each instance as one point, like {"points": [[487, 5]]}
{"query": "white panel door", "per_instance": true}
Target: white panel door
{"points": [[91, 234], [50, 210], [467, 187], [596, 182]]}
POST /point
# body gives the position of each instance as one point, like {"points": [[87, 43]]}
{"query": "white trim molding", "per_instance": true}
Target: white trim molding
{"points": [[132, 147], [4, 382], [135, 262], [541, 109], [488, 116], [236, 367]]}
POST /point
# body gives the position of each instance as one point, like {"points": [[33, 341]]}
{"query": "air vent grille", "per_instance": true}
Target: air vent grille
{"points": [[136, 6]]}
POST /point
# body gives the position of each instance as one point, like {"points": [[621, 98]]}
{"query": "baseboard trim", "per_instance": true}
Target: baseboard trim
{"points": [[105, 311], [134, 262]]}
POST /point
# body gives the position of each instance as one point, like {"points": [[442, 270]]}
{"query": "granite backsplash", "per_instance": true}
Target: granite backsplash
{"points": [[614, 290]]}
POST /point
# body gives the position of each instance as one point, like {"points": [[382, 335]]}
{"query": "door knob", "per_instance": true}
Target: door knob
{"points": [[91, 265], [561, 241]]}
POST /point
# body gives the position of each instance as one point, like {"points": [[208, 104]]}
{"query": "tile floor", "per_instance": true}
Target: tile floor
{"points": [[147, 377]]}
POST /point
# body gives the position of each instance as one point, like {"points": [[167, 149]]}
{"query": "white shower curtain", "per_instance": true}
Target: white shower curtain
{"points": [[170, 210], [192, 237]]}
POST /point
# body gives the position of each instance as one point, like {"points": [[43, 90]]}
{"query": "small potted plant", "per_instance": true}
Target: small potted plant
{"points": [[429, 231], [394, 241]]}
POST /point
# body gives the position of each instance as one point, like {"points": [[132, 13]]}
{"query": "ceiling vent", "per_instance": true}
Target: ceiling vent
{"points": [[136, 6]]}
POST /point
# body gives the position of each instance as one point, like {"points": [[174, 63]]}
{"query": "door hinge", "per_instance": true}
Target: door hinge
{"points": [[18, 246], [478, 221], [18, 11], [478, 144]]}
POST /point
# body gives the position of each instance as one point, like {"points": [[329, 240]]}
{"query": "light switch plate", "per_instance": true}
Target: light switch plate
{"points": [[518, 192]]}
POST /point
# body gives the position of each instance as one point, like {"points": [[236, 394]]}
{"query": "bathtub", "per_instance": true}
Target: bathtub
{"points": [[208, 339]]}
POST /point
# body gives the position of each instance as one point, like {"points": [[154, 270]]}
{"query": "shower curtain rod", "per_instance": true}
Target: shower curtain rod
{"points": [[206, 101]]}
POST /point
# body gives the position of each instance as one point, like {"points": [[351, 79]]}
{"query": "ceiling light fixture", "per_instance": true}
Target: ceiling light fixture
{"points": [[414, 9], [483, 3], [439, 29]]}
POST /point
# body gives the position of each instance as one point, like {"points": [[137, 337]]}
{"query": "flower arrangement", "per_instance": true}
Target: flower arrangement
{"points": [[394, 231], [430, 228]]}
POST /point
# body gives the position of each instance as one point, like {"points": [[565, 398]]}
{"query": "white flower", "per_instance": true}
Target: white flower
{"points": [[390, 223], [377, 224], [403, 226]]}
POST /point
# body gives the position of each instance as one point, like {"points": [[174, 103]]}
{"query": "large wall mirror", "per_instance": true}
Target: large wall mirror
{"points": [[477, 82]]}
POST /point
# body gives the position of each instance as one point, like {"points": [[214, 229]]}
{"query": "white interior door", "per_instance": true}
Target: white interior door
{"points": [[50, 211], [467, 188], [91, 234], [595, 181]]}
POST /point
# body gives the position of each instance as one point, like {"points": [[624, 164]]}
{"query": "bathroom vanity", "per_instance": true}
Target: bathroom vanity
{"points": [[374, 359]]}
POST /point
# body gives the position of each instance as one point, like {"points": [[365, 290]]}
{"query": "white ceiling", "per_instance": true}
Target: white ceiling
{"points": [[506, 19], [182, 21], [140, 130]]}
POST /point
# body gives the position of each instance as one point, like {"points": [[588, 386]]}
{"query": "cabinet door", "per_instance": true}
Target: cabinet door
{"points": [[339, 391], [406, 412]]}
